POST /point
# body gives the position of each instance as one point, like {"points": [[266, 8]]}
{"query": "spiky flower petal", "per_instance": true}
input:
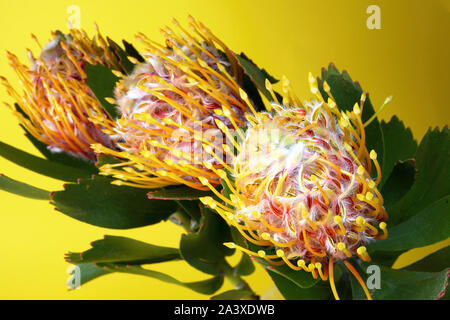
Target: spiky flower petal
{"points": [[173, 106], [56, 102]]}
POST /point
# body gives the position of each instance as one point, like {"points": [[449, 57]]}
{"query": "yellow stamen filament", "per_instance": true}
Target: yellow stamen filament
{"points": [[363, 254], [205, 182], [209, 201], [383, 226], [260, 253], [373, 156], [324, 195], [388, 99], [209, 150], [225, 130], [360, 222], [301, 263], [373, 231], [331, 164], [319, 269], [358, 277], [246, 236], [342, 247], [227, 113], [280, 253], [305, 216], [331, 278], [269, 88], [248, 227], [269, 258], [258, 216], [308, 127], [280, 183], [338, 221], [263, 254], [244, 97], [266, 236], [312, 269]]}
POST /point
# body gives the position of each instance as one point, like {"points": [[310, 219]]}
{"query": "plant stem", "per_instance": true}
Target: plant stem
{"points": [[238, 283], [182, 219]]}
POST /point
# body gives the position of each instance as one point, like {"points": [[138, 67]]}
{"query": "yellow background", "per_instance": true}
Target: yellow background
{"points": [[408, 58]]}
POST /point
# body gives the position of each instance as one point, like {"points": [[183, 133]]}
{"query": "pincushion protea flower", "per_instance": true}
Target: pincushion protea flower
{"points": [[173, 106], [302, 186], [56, 101]]}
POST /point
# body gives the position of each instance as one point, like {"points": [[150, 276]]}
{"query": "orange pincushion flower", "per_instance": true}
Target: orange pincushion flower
{"points": [[172, 107], [302, 185], [56, 102]]}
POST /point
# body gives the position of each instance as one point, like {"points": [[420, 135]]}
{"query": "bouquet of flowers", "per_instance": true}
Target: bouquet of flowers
{"points": [[192, 132]]}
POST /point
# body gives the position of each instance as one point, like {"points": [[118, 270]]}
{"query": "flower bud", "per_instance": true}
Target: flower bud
{"points": [[172, 107], [303, 186], [56, 102]]}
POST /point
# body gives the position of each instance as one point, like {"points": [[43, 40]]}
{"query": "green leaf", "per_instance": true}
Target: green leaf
{"points": [[399, 145], [404, 285], [103, 159], [258, 76], [132, 52], [252, 91], [399, 183], [121, 56], [22, 189], [245, 266], [301, 278], [96, 201], [123, 250], [433, 177], [434, 262], [178, 193], [208, 286], [91, 271], [102, 81], [86, 272], [204, 249], [192, 208], [431, 225], [347, 93], [226, 191], [290, 291], [39, 165], [385, 258], [233, 295]]}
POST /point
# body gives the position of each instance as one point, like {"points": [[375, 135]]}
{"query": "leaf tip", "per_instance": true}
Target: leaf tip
{"points": [[442, 294]]}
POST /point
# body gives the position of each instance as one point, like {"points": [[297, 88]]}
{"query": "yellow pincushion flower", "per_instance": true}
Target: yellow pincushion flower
{"points": [[173, 106], [56, 101], [301, 184]]}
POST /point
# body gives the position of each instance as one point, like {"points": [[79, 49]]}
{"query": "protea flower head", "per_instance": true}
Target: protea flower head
{"points": [[56, 102], [301, 185], [172, 107]]}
